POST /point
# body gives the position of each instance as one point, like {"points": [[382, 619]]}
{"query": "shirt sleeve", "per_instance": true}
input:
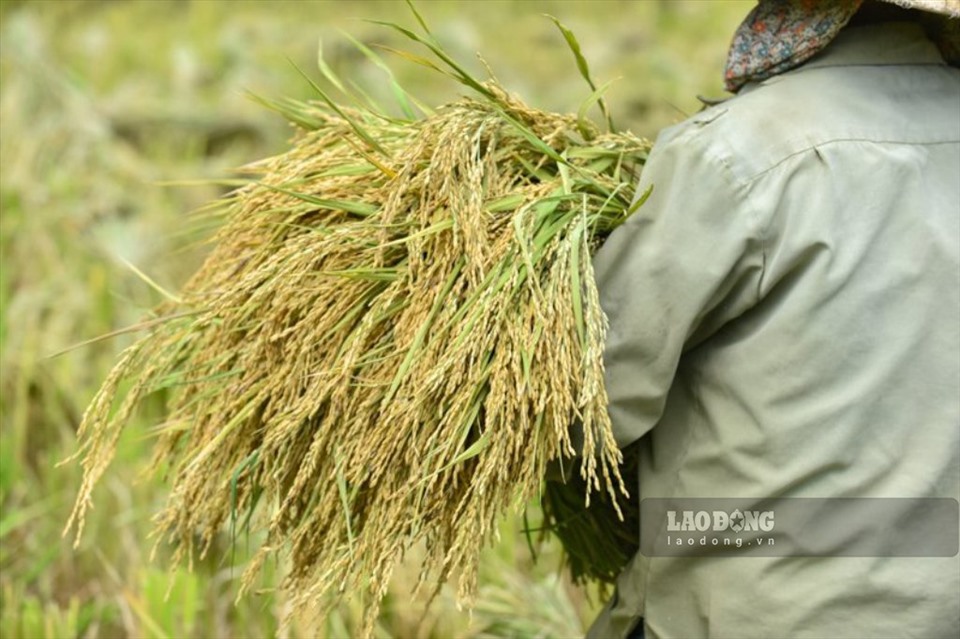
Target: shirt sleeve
{"points": [[688, 261]]}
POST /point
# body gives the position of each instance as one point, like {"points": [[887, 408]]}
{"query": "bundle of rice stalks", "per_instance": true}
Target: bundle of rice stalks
{"points": [[389, 342], [598, 537]]}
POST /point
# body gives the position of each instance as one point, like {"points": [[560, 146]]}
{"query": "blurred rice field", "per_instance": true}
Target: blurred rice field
{"points": [[107, 111]]}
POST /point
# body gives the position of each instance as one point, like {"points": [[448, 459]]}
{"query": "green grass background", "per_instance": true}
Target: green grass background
{"points": [[104, 103]]}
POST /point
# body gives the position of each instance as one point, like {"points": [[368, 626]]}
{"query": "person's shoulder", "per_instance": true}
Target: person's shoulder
{"points": [[803, 110], [751, 132]]}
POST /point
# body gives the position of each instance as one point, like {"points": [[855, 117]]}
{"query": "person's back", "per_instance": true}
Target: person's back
{"points": [[804, 341]]}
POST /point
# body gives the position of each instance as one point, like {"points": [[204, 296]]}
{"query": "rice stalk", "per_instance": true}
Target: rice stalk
{"points": [[394, 331]]}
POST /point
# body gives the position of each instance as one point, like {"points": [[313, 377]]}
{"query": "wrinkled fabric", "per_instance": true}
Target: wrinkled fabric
{"points": [[779, 35], [785, 322]]}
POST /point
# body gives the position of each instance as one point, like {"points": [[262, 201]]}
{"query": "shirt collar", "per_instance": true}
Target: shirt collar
{"points": [[889, 43]]}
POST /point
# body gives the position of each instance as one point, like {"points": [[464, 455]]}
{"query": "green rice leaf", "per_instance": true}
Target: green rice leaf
{"points": [[459, 73], [594, 98], [357, 208], [366, 137], [403, 98], [583, 67], [325, 69]]}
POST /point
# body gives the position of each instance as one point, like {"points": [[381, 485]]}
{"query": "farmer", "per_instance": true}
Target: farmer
{"points": [[785, 322]]}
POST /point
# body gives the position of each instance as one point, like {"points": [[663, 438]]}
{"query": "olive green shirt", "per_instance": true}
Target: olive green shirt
{"points": [[785, 322]]}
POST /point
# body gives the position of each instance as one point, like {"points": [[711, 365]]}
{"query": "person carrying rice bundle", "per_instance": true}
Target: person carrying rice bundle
{"points": [[785, 323], [404, 316]]}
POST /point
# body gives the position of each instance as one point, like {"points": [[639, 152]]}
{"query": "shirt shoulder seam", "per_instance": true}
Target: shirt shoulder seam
{"points": [[813, 147]]}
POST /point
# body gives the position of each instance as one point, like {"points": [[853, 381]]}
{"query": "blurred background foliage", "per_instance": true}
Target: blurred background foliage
{"points": [[102, 106]]}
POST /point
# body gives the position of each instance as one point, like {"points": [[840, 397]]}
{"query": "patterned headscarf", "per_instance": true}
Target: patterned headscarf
{"points": [[779, 35]]}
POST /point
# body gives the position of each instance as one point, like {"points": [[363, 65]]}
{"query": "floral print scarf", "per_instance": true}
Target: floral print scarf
{"points": [[779, 35]]}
